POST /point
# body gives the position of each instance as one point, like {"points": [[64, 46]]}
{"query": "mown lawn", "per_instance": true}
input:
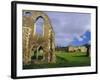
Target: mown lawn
{"points": [[64, 59]]}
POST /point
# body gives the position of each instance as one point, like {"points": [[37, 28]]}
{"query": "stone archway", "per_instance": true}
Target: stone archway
{"points": [[32, 41], [39, 26], [38, 55]]}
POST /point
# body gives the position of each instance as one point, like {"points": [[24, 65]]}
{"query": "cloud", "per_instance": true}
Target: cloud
{"points": [[78, 37], [81, 40], [67, 25], [84, 36], [70, 22]]}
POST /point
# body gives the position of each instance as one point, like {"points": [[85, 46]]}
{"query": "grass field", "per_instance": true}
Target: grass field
{"points": [[64, 59]]}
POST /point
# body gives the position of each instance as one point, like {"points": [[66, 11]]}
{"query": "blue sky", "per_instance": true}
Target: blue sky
{"points": [[81, 40], [70, 28]]}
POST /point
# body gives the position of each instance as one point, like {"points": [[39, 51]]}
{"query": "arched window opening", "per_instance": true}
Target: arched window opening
{"points": [[27, 13], [39, 26]]}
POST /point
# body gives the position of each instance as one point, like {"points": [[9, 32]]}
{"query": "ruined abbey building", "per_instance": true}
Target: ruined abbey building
{"points": [[32, 41]]}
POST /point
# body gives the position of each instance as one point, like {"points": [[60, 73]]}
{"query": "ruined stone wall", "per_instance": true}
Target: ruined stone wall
{"points": [[78, 48], [30, 40]]}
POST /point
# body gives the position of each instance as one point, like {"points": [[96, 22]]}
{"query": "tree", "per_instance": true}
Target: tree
{"points": [[88, 46]]}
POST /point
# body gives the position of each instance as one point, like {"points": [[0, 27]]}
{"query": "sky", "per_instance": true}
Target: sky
{"points": [[70, 28]]}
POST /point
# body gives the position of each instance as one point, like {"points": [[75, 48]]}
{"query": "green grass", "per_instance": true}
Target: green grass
{"points": [[64, 59]]}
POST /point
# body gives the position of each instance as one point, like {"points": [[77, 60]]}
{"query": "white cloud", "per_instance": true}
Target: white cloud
{"points": [[84, 36], [78, 37], [66, 25]]}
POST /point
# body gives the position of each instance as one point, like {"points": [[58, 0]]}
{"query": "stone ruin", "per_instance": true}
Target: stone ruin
{"points": [[32, 41]]}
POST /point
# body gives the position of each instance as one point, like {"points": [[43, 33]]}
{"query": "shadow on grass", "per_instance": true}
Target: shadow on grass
{"points": [[61, 60], [81, 56], [34, 57]]}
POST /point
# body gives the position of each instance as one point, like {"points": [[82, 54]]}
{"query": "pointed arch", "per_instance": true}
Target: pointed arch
{"points": [[39, 26], [48, 37]]}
